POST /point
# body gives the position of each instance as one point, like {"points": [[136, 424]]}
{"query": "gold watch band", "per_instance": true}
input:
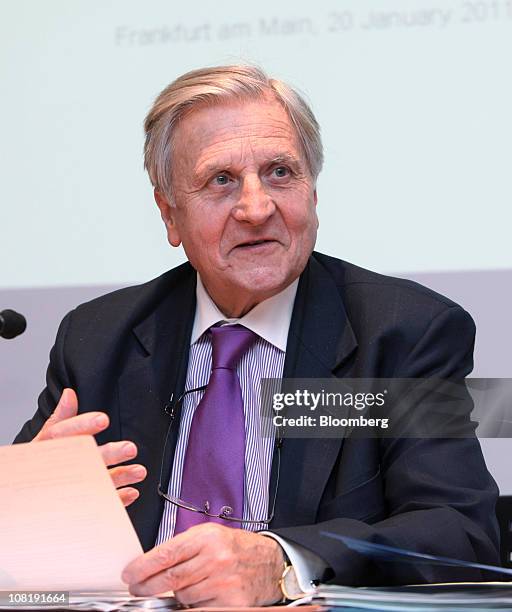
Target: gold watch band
{"points": [[288, 583]]}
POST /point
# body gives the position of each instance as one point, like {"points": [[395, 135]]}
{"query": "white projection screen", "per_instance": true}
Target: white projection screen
{"points": [[414, 99]]}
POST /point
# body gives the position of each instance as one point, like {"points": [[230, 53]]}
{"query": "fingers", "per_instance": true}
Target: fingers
{"points": [[208, 593], [65, 421], [89, 423], [127, 475], [123, 475], [118, 452], [128, 495], [180, 577], [180, 549]]}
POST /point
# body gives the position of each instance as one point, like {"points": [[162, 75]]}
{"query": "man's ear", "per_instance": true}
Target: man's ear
{"points": [[315, 201], [167, 212]]}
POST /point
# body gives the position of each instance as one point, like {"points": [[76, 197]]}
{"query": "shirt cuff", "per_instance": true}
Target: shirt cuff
{"points": [[307, 565]]}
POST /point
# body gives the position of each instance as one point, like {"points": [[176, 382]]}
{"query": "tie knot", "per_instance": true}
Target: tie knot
{"points": [[229, 343]]}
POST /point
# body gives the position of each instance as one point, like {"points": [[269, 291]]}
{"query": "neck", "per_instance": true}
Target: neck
{"points": [[235, 309], [234, 305]]}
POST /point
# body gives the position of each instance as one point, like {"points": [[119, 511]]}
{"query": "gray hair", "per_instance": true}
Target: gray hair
{"points": [[214, 86]]}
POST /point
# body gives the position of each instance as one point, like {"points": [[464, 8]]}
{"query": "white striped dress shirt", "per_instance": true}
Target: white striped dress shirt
{"points": [[270, 320]]}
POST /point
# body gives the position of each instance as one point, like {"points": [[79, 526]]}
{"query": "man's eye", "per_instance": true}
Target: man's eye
{"points": [[221, 179], [281, 171]]}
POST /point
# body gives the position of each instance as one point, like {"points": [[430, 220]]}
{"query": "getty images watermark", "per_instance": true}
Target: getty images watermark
{"points": [[366, 408], [315, 402]]}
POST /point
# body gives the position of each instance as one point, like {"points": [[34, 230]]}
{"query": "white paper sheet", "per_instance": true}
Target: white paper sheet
{"points": [[62, 524]]}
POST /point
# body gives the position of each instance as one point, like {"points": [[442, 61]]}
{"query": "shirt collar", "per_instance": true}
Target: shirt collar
{"points": [[269, 319]]}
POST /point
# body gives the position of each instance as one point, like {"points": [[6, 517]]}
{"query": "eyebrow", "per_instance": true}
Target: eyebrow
{"points": [[284, 158], [281, 158]]}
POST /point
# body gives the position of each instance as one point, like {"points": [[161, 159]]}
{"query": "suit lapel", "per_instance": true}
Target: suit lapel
{"points": [[156, 371], [320, 342]]}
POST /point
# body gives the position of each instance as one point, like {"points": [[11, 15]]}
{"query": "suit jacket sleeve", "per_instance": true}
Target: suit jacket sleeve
{"points": [[437, 493], [57, 379]]}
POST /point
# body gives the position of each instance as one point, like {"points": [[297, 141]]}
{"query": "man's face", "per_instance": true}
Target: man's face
{"points": [[245, 203]]}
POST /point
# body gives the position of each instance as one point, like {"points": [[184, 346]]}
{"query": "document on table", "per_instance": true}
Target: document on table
{"points": [[62, 524], [453, 597], [456, 597]]}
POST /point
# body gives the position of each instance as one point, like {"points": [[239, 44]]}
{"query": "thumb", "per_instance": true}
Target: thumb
{"points": [[65, 409], [67, 406]]}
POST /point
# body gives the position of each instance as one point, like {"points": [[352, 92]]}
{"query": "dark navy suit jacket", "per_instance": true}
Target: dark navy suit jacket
{"points": [[126, 354]]}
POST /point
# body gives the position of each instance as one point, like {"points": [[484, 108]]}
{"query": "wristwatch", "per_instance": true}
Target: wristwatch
{"points": [[288, 583]]}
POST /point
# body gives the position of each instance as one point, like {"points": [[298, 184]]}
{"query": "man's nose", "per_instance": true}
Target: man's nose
{"points": [[255, 205]]}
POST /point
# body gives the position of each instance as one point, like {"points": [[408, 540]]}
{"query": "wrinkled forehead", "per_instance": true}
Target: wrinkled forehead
{"points": [[234, 125]]}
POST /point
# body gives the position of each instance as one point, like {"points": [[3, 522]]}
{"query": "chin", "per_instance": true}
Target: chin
{"points": [[265, 282]]}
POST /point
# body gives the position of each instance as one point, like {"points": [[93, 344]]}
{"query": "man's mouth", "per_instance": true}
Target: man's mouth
{"points": [[256, 244]]}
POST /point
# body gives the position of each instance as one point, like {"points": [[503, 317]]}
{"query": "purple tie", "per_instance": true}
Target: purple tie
{"points": [[213, 475]]}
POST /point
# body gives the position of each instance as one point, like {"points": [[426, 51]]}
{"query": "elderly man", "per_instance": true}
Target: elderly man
{"points": [[226, 514]]}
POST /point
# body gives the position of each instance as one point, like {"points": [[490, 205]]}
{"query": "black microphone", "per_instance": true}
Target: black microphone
{"points": [[12, 324]]}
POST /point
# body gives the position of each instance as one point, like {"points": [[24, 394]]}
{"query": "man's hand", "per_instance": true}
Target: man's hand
{"points": [[211, 565], [65, 421]]}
